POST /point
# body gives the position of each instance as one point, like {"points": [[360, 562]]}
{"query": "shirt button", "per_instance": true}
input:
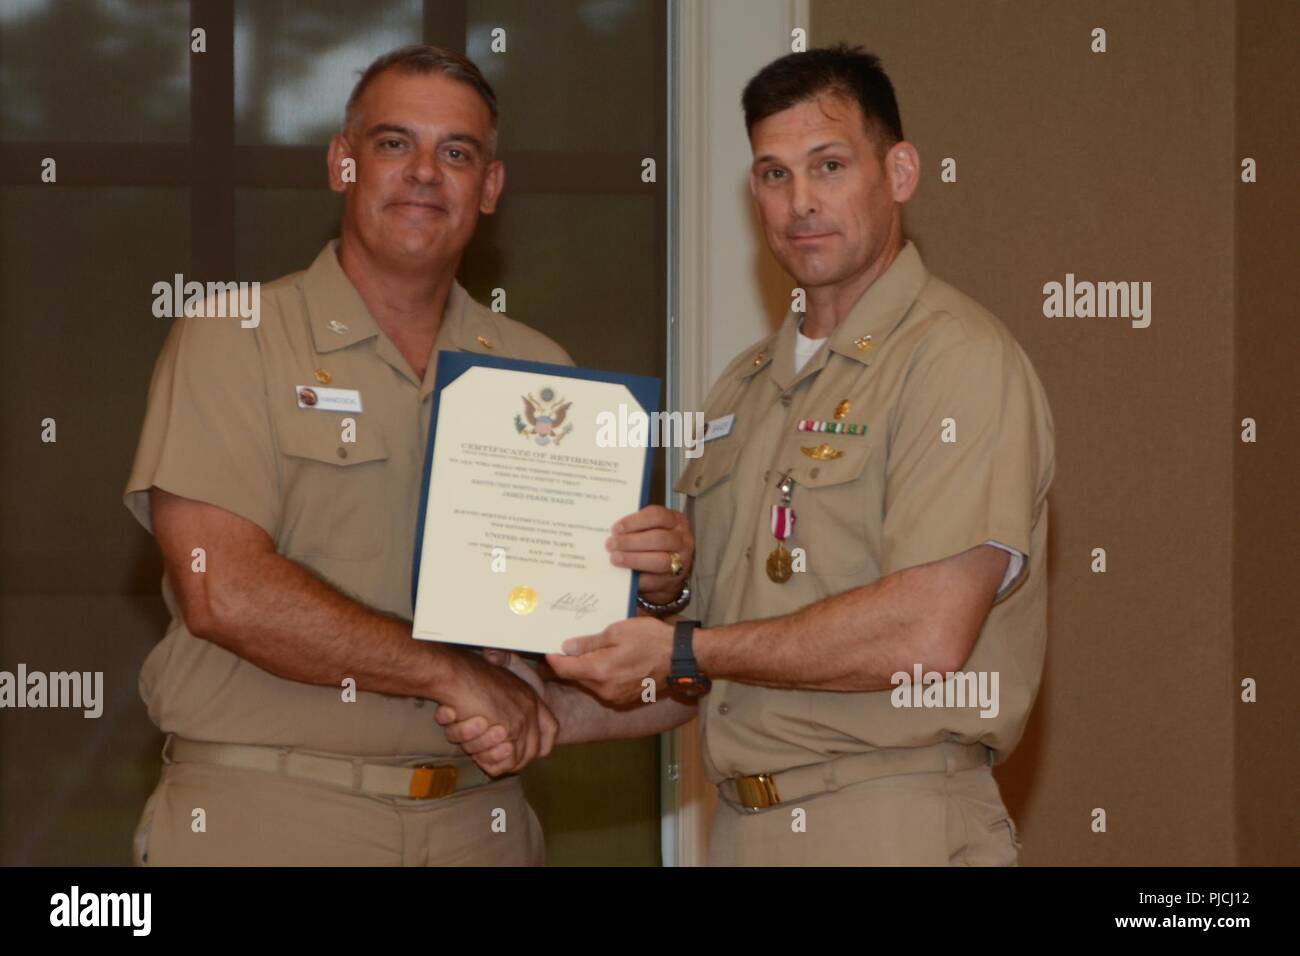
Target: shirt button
{"points": [[749, 551], [698, 479], [814, 473], [767, 476], [419, 703], [723, 708], [785, 400], [343, 452]]}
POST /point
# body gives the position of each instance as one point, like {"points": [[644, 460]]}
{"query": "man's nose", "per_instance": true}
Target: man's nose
{"points": [[803, 203], [424, 168]]}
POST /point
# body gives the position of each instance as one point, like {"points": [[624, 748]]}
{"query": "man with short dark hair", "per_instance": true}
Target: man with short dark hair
{"points": [[870, 512], [279, 468]]}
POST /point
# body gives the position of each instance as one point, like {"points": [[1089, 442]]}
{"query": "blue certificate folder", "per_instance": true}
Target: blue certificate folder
{"points": [[452, 365]]}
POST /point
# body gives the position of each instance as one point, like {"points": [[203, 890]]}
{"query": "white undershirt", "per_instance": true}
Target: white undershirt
{"points": [[804, 349]]}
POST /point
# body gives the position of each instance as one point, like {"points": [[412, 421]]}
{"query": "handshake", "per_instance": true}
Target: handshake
{"points": [[500, 710], [507, 721]]}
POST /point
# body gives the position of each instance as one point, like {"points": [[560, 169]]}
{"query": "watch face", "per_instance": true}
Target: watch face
{"points": [[690, 686]]}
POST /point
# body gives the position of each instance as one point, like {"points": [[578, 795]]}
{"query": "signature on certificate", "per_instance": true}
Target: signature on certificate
{"points": [[580, 604]]}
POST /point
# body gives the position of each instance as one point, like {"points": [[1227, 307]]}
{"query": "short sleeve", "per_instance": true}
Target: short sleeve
{"points": [[207, 433], [1015, 562], [969, 454]]}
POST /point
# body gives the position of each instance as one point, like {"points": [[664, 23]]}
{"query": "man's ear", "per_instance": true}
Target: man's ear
{"points": [[340, 150], [904, 164], [493, 184]]}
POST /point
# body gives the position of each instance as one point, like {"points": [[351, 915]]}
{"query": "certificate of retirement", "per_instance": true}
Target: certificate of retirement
{"points": [[519, 496]]}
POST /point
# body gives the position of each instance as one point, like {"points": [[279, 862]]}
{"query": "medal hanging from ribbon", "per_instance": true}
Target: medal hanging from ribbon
{"points": [[779, 563]]}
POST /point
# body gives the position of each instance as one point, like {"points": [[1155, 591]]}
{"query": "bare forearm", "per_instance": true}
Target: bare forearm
{"points": [[583, 717], [852, 641], [280, 616]]}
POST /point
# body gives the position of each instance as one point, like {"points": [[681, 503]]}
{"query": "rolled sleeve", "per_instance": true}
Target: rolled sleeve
{"points": [[207, 434], [945, 497]]}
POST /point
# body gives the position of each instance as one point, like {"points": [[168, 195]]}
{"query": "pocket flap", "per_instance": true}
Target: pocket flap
{"points": [[815, 471], [716, 464], [319, 437]]}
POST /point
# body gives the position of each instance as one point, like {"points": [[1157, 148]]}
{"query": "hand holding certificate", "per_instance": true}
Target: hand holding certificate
{"points": [[518, 501]]}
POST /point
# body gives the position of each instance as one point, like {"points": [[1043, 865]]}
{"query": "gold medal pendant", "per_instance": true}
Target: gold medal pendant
{"points": [[780, 563], [779, 567]]}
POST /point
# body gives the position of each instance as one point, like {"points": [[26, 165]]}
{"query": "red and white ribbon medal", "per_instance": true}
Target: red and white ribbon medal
{"points": [[779, 564], [782, 521]]}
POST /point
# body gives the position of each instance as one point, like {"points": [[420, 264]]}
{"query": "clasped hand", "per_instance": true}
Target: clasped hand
{"points": [[498, 714]]}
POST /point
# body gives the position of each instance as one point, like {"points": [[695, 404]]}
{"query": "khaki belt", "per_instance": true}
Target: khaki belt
{"points": [[423, 781], [760, 791]]}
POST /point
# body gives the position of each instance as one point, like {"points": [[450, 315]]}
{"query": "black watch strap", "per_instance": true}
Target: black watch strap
{"points": [[684, 672]]}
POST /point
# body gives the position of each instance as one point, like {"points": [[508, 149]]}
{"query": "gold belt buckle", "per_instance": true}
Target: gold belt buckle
{"points": [[430, 781], [758, 792]]}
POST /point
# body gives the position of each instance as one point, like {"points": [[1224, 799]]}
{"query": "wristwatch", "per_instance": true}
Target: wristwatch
{"points": [[684, 674]]}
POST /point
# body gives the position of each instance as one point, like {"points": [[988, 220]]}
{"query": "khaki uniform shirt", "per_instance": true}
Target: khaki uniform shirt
{"points": [[223, 426], [913, 352]]}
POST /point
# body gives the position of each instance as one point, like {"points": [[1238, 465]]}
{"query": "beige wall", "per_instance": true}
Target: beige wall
{"points": [[1123, 166]]}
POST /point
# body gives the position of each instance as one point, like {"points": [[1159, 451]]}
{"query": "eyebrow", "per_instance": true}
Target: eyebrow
{"points": [[406, 131], [769, 158], [469, 138], [390, 128], [831, 145]]}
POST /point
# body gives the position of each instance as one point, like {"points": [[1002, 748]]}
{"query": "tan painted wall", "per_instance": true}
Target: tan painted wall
{"points": [[1124, 166]]}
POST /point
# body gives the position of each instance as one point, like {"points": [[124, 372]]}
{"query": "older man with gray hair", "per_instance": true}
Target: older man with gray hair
{"points": [[296, 703]]}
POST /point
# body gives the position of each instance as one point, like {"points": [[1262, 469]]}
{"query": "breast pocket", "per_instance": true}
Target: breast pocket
{"points": [[833, 501], [335, 491], [707, 481]]}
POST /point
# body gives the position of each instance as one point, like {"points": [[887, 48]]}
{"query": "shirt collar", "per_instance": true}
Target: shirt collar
{"points": [[468, 326], [339, 317], [876, 313], [781, 367], [879, 310]]}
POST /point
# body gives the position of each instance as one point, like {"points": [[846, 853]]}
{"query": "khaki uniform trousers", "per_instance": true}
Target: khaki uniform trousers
{"points": [[260, 818], [917, 819]]}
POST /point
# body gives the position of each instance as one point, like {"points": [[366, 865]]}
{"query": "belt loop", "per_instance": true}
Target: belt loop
{"points": [[282, 761], [166, 748], [949, 758], [357, 769]]}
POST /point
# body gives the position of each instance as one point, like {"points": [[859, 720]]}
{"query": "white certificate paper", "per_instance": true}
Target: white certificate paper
{"points": [[519, 501]]}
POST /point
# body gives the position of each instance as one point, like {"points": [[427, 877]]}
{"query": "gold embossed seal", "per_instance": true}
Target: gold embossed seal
{"points": [[523, 600]]}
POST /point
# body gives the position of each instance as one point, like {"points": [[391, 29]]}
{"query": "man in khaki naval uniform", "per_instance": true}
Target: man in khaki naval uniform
{"points": [[908, 432], [297, 705]]}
